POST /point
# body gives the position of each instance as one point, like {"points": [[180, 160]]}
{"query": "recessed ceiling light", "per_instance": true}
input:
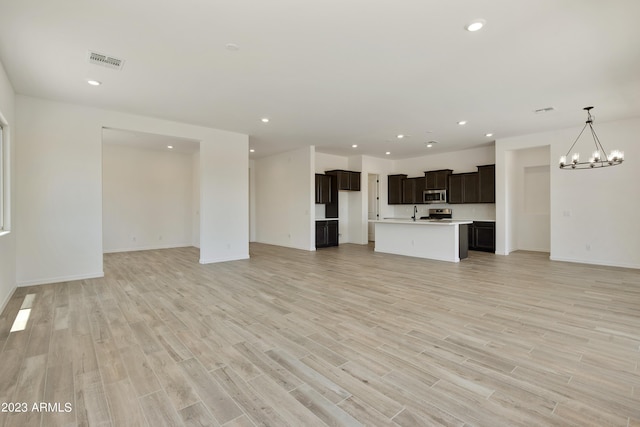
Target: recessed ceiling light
{"points": [[400, 136], [387, 153], [251, 150], [462, 122], [94, 82], [475, 25], [354, 146], [170, 147], [429, 145], [488, 134], [265, 120]]}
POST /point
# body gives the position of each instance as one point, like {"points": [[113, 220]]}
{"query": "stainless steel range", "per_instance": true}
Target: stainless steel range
{"points": [[444, 213]]}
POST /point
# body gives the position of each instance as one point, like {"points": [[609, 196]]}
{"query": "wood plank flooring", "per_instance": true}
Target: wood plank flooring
{"points": [[340, 337]]}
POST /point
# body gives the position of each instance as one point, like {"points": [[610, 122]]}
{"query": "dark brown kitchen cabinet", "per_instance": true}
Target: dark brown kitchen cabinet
{"points": [[456, 189], [394, 189], [323, 189], [463, 188], [438, 180], [487, 184], [347, 180], [412, 189], [408, 191], [470, 186], [326, 233], [482, 236]]}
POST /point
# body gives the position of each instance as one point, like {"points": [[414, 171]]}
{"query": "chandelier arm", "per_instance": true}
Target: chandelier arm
{"points": [[574, 142], [599, 146]]}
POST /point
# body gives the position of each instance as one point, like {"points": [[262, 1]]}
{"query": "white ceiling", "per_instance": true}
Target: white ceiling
{"points": [[334, 73]]}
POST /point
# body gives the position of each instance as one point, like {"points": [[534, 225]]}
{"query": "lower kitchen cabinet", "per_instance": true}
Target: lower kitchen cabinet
{"points": [[482, 236], [326, 233]]}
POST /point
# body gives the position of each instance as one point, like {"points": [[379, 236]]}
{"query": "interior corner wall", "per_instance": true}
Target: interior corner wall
{"points": [[8, 240], [593, 212], [147, 198], [224, 197], [195, 197], [59, 188], [285, 199]]}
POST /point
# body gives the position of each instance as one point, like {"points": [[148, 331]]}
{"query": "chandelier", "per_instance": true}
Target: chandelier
{"points": [[599, 158]]}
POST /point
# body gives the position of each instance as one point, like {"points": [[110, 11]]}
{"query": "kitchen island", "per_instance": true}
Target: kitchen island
{"points": [[444, 240]]}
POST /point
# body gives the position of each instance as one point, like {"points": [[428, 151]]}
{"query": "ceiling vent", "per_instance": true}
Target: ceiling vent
{"points": [[105, 60], [544, 110]]}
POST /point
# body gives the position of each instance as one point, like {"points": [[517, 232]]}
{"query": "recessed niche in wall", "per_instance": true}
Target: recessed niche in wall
{"points": [[536, 192]]}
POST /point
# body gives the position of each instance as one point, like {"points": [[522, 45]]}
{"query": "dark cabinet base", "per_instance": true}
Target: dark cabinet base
{"points": [[326, 234], [482, 236], [463, 241]]}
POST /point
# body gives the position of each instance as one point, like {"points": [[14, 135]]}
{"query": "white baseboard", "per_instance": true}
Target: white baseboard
{"points": [[6, 300], [47, 281], [147, 248], [596, 262], [223, 259]]}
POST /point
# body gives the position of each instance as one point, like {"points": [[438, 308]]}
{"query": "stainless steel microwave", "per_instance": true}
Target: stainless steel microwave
{"points": [[434, 196]]}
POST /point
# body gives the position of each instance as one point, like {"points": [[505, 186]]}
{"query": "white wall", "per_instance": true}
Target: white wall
{"points": [[593, 212], [59, 188], [147, 198], [285, 198], [8, 240], [224, 197]]}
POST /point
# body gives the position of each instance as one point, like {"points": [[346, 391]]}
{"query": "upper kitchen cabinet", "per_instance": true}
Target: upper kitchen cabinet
{"points": [[463, 188], [487, 184], [395, 189], [438, 180], [412, 189], [347, 180], [473, 187], [323, 189]]}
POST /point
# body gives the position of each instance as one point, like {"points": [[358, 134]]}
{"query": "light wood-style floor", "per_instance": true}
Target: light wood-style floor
{"points": [[341, 336]]}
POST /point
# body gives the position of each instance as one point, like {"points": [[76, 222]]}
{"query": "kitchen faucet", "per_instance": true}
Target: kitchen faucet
{"points": [[415, 213]]}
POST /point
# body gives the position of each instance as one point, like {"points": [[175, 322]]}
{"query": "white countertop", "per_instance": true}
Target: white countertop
{"points": [[421, 221]]}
